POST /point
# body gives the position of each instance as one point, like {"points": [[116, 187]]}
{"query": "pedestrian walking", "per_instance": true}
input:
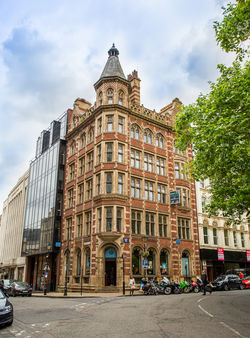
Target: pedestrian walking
{"points": [[204, 281], [131, 285]]}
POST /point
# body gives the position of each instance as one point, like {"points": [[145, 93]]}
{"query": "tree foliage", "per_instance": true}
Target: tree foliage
{"points": [[218, 123]]}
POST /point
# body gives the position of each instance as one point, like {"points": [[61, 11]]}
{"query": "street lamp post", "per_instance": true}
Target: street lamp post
{"points": [[123, 274], [46, 269]]}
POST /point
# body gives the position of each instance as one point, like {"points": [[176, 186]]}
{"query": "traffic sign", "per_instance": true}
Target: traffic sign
{"points": [[145, 262]]}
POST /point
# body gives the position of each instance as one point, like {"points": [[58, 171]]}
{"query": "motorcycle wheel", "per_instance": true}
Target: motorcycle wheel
{"points": [[196, 289], [186, 289], [226, 288], [167, 290]]}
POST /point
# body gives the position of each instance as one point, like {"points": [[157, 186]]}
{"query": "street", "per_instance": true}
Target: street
{"points": [[222, 314]]}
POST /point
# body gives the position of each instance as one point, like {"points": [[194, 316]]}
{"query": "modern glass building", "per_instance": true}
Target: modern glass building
{"points": [[43, 211]]}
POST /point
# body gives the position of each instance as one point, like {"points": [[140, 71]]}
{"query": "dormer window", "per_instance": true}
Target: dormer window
{"points": [[120, 98], [110, 95]]}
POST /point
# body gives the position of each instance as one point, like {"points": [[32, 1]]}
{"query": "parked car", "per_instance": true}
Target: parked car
{"points": [[228, 282], [246, 282], [20, 288], [5, 284], [6, 310]]}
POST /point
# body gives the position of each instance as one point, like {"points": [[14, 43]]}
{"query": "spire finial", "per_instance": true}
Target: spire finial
{"points": [[113, 51]]}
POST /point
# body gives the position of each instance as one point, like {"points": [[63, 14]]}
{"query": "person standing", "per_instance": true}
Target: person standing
{"points": [[204, 281], [241, 275], [131, 285]]}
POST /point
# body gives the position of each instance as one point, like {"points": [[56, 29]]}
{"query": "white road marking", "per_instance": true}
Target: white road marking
{"points": [[209, 314], [233, 330], [200, 300]]}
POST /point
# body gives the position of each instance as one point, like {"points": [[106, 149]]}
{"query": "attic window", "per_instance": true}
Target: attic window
{"points": [[120, 99], [110, 95]]}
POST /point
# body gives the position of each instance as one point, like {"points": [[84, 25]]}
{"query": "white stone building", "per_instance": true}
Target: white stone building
{"points": [[215, 232], [12, 265]]}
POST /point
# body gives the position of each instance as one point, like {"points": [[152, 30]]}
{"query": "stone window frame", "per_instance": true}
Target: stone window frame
{"points": [[135, 132], [136, 189], [135, 160], [109, 152], [159, 141], [160, 166], [90, 160], [184, 228], [163, 225], [121, 124], [149, 190], [121, 148], [180, 172], [161, 193], [88, 223], [79, 225], [109, 123], [150, 223], [71, 175], [99, 153], [81, 163], [205, 235], [110, 95], [184, 196], [80, 193], [148, 136], [98, 184], [89, 189], [136, 222], [121, 97], [120, 183], [70, 198], [148, 162], [109, 182]]}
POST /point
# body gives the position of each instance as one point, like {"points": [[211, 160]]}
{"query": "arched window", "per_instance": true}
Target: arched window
{"points": [[83, 140], [78, 262], [185, 264], [159, 141], [164, 262], [87, 261], [91, 135], [73, 148], [120, 97], [151, 262], [148, 136], [136, 262], [134, 132], [100, 98], [110, 96]]}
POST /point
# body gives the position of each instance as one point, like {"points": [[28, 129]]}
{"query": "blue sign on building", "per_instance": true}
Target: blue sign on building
{"points": [[145, 262], [57, 244], [175, 197], [126, 240], [178, 241]]}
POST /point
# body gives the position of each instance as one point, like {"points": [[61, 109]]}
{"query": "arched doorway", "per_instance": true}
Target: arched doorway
{"points": [[110, 266]]}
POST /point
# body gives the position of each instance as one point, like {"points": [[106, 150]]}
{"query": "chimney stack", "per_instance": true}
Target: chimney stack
{"points": [[135, 88]]}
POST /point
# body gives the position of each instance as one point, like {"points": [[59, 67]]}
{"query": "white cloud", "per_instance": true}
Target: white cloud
{"points": [[52, 52]]}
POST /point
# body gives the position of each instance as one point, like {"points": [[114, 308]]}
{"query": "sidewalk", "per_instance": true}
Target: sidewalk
{"points": [[84, 294]]}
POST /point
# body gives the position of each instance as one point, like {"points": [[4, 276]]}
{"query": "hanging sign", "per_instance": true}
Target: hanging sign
{"points": [[248, 255], [220, 252], [175, 197]]}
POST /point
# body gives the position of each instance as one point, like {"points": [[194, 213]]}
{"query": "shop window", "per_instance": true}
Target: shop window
{"points": [[164, 262], [78, 263], [136, 262], [185, 264], [87, 261], [151, 262]]}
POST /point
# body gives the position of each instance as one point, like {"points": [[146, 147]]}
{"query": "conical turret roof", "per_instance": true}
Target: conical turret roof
{"points": [[113, 66]]}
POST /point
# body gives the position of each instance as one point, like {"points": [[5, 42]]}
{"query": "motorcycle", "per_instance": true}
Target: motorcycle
{"points": [[185, 286], [194, 287], [148, 287], [164, 287]]}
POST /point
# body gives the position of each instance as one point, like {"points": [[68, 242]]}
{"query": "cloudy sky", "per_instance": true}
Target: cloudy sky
{"points": [[52, 52]]}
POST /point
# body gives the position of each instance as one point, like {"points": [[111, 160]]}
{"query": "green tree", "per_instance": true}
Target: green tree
{"points": [[218, 124]]}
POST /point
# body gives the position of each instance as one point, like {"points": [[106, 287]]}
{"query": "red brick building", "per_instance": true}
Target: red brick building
{"points": [[121, 165]]}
